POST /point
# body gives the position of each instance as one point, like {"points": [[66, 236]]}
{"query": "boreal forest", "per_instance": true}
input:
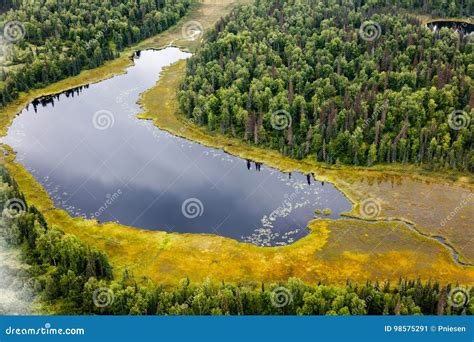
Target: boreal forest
{"points": [[59, 39], [344, 82]]}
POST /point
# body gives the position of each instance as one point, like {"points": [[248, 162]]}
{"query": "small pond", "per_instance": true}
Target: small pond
{"points": [[460, 26]]}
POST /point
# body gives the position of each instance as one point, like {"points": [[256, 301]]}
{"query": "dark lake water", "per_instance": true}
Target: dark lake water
{"points": [[464, 27], [97, 160]]}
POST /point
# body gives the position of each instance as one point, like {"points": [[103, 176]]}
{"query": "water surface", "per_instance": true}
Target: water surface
{"points": [[97, 160], [464, 27]]}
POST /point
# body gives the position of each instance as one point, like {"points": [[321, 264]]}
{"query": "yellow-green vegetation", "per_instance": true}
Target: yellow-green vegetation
{"points": [[206, 12], [162, 99], [436, 207], [332, 252], [400, 191], [428, 20], [327, 211]]}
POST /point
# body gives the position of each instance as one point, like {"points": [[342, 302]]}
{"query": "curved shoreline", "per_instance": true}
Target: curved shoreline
{"points": [[172, 122], [112, 241], [440, 239], [457, 20], [95, 232]]}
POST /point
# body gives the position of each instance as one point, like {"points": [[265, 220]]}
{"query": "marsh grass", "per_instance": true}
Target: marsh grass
{"points": [[333, 252]]}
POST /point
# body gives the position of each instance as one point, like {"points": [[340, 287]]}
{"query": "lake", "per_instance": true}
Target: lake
{"points": [[98, 161], [464, 27]]}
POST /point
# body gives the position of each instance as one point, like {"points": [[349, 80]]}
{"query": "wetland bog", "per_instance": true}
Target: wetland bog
{"points": [[357, 250]]}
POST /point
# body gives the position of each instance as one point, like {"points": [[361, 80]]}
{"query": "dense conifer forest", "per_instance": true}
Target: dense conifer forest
{"points": [[46, 41], [74, 278], [341, 82]]}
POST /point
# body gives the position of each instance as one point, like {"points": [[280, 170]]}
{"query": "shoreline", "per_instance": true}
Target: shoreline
{"points": [[177, 125], [147, 241]]}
